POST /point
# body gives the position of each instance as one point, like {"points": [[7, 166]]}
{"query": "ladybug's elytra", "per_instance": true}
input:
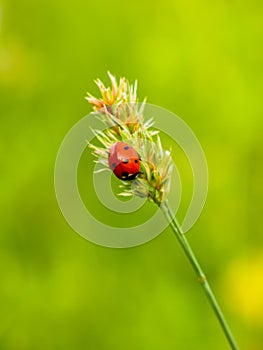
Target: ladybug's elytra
{"points": [[124, 161]]}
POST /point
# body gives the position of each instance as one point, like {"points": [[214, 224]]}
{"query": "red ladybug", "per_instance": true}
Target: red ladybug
{"points": [[124, 161]]}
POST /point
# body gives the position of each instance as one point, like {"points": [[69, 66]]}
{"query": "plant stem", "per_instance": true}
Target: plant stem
{"points": [[201, 276]]}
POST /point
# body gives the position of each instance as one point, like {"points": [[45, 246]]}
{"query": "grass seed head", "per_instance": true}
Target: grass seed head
{"points": [[121, 112]]}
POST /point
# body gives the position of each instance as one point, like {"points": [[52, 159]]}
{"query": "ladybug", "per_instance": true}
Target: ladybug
{"points": [[124, 161]]}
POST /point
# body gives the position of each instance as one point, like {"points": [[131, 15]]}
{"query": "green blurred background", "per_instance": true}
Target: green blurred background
{"points": [[199, 59]]}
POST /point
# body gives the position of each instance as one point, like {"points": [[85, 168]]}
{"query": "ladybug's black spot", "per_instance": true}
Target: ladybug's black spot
{"points": [[125, 174], [125, 161], [126, 148], [136, 161]]}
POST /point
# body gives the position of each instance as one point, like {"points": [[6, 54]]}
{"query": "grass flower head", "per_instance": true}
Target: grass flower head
{"points": [[123, 115]]}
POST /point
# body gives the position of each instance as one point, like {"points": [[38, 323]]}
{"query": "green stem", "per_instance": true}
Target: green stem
{"points": [[201, 276]]}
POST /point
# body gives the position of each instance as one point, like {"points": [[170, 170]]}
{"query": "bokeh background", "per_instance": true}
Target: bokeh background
{"points": [[203, 61]]}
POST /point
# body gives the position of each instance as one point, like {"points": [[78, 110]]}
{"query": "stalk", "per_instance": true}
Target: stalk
{"points": [[200, 274], [125, 120]]}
